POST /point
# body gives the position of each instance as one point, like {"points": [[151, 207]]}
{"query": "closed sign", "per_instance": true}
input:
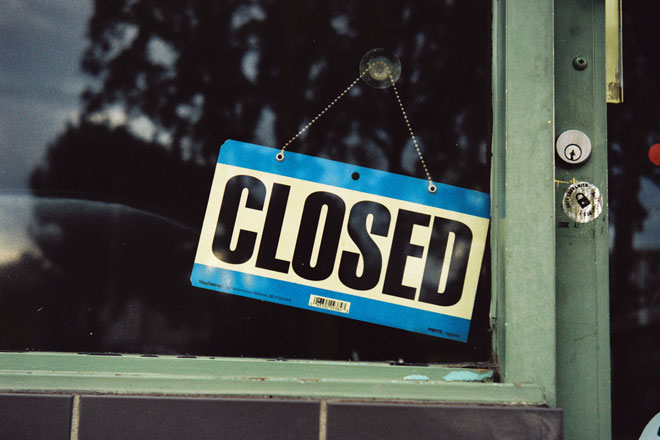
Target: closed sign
{"points": [[342, 239]]}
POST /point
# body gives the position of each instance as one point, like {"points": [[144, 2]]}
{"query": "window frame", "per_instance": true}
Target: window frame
{"points": [[523, 288]]}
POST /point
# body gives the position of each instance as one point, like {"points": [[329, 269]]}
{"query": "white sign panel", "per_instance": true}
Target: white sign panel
{"points": [[342, 239]]}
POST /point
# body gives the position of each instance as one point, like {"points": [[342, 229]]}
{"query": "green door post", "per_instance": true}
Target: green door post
{"points": [[522, 193], [583, 341]]}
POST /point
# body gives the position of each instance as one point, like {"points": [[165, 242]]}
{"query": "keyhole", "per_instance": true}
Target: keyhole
{"points": [[573, 152]]}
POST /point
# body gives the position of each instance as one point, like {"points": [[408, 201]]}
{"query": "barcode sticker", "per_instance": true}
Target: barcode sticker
{"points": [[329, 304]]}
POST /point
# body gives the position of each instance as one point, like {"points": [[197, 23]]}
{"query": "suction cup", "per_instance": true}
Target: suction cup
{"points": [[380, 65]]}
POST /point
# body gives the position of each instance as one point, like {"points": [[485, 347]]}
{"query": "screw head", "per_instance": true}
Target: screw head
{"points": [[580, 63]]}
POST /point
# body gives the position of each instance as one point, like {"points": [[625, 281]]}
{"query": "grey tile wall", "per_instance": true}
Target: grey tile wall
{"points": [[35, 416], [365, 421], [107, 417], [43, 416]]}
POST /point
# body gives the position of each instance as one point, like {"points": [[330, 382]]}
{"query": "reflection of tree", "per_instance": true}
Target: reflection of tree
{"points": [[201, 72], [105, 259], [92, 161], [207, 71]]}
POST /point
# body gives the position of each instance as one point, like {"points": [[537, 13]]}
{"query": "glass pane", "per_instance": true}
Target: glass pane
{"points": [[633, 130], [104, 197]]}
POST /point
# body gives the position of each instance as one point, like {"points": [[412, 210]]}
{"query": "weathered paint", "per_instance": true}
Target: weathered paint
{"points": [[468, 376], [134, 374], [416, 377], [613, 52]]}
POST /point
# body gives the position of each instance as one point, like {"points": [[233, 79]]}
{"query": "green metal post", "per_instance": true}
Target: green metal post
{"points": [[583, 344], [523, 192]]}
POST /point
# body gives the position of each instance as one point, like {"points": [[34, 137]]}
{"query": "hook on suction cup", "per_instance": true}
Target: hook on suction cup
{"points": [[380, 64]]}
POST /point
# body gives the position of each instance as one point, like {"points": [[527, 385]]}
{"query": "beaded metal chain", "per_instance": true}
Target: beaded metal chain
{"points": [[431, 187]]}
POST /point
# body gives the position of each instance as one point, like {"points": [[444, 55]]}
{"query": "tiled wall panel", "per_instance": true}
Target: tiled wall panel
{"points": [[35, 417], [107, 417], [365, 421]]}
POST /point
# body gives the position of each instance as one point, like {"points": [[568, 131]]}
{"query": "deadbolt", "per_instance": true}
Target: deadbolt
{"points": [[573, 147]]}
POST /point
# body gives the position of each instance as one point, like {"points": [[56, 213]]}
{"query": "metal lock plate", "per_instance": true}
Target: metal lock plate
{"points": [[573, 147]]}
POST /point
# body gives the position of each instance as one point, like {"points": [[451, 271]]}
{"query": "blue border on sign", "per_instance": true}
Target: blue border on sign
{"points": [[330, 172], [362, 309]]}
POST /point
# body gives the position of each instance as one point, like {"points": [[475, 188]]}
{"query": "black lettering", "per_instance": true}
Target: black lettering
{"points": [[442, 229], [273, 229], [357, 230], [401, 249], [309, 224], [227, 219]]}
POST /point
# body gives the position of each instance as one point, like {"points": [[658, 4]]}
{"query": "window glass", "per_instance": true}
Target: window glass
{"points": [[634, 184], [107, 169]]}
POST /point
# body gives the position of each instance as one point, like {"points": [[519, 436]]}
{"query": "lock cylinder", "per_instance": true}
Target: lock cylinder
{"points": [[573, 147]]}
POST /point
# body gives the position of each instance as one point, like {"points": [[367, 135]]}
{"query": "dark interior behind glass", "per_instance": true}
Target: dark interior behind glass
{"points": [[634, 202]]}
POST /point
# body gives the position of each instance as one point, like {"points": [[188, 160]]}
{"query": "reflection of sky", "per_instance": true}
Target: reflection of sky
{"points": [[40, 82], [19, 223], [649, 237], [16, 214], [40, 79]]}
